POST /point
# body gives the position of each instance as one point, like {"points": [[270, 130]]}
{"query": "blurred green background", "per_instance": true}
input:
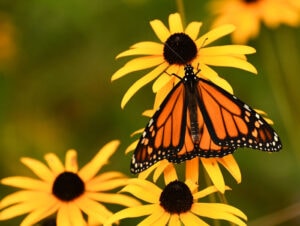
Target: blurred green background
{"points": [[56, 60]]}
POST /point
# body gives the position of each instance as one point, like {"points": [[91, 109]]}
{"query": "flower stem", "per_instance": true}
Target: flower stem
{"points": [[212, 197], [277, 81], [180, 8]]}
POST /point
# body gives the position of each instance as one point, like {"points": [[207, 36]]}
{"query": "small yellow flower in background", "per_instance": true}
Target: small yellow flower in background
{"points": [[7, 39], [176, 204], [247, 15], [65, 190], [178, 47]]}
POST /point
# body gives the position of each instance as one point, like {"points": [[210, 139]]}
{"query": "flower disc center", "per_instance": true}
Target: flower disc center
{"points": [[176, 198], [68, 186], [179, 49], [250, 1]]}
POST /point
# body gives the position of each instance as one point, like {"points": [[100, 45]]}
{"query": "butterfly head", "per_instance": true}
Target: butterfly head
{"points": [[189, 71]]}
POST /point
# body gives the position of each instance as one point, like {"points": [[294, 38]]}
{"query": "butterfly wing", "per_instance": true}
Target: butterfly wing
{"points": [[232, 123], [164, 133]]}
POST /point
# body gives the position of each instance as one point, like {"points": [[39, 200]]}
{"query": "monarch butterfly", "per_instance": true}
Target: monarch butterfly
{"points": [[198, 118]]}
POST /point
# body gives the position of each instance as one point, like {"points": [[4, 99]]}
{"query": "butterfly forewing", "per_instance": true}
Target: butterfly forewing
{"points": [[233, 123], [164, 133]]}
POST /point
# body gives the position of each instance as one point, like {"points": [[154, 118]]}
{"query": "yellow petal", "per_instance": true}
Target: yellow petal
{"points": [[192, 186], [25, 207], [221, 82], [54, 163], [232, 167], [133, 145], [219, 211], [160, 82], [40, 213], [75, 216], [62, 217], [214, 34], [105, 185], [107, 176], [147, 172], [148, 113], [39, 168], [192, 30], [175, 23], [264, 115], [136, 211], [142, 82], [163, 92], [205, 192], [137, 64], [143, 48], [146, 191], [160, 30], [147, 44], [174, 220], [16, 210], [192, 170], [71, 164], [212, 168], [101, 158], [147, 185], [191, 220], [161, 166], [170, 173], [157, 218], [119, 199], [229, 61], [92, 207], [207, 72], [226, 50], [27, 183], [22, 196]]}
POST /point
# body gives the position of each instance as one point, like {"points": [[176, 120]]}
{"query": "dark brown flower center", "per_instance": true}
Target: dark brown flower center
{"points": [[250, 1], [67, 186], [176, 198], [179, 49]]}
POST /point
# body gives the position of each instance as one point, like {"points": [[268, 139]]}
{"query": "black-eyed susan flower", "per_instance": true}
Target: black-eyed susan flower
{"points": [[247, 15], [178, 47], [176, 204], [65, 190]]}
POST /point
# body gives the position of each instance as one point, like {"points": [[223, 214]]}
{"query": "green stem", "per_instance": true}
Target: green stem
{"points": [[288, 57], [223, 199], [212, 197], [180, 8], [273, 71]]}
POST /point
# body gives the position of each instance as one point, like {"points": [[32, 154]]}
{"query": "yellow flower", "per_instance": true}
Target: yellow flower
{"points": [[176, 204], [178, 47], [65, 190], [247, 15]]}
